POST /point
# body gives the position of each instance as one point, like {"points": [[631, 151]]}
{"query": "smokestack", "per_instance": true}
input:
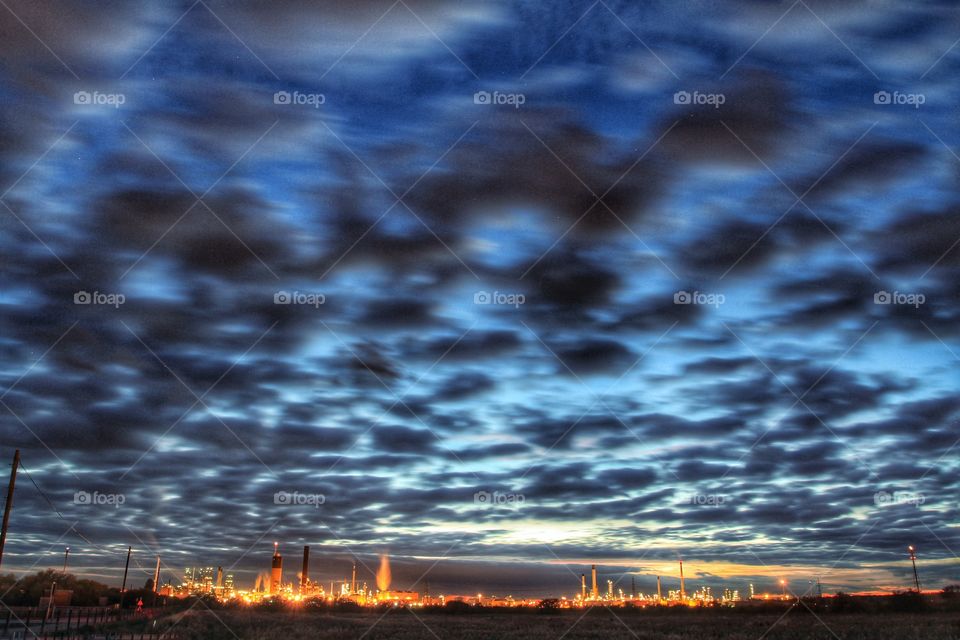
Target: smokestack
{"points": [[304, 568], [594, 591], [633, 587], [276, 570], [683, 593], [659, 593], [583, 587], [156, 577], [219, 578], [353, 579]]}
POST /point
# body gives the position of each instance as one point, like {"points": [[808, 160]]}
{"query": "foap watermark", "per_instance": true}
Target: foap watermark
{"points": [[898, 297], [707, 499], [498, 499], [884, 498], [699, 297], [99, 499], [97, 98], [98, 297], [297, 98], [498, 98], [499, 297], [299, 499], [299, 297], [698, 98], [899, 98]]}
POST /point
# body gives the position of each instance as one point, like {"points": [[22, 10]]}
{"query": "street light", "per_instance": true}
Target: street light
{"points": [[913, 559]]}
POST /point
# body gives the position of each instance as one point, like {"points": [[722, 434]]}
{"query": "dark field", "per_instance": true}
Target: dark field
{"points": [[407, 625]]}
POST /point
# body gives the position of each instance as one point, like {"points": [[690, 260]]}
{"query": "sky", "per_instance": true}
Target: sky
{"points": [[500, 289]]}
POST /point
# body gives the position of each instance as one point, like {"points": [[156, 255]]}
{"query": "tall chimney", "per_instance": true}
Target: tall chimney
{"points": [[219, 579], [659, 593], [594, 591], [276, 570], [683, 594], [583, 587], [304, 569], [353, 580]]}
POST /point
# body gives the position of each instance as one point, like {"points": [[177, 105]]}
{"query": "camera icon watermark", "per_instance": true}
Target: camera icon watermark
{"points": [[897, 98], [885, 498], [111, 299], [698, 98], [297, 98], [299, 297], [699, 298], [499, 298], [298, 499], [497, 98], [99, 499], [912, 299], [97, 98], [498, 499]]}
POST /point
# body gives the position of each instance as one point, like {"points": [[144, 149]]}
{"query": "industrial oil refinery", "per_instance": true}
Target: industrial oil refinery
{"points": [[294, 585]]}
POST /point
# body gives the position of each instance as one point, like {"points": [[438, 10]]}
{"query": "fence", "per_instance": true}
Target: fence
{"points": [[71, 623]]}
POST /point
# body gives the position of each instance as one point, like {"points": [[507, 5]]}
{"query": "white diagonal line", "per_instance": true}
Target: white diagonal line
{"points": [[633, 33], [157, 241], [757, 41], [432, 632], [394, 394], [800, 199], [198, 600], [240, 240], [40, 40], [800, 398], [839, 39], [937, 61], [39, 439], [439, 39], [398, 199], [199, 199], [939, 139], [597, 398], [38, 160], [599, 199], [39, 239], [37, 361], [200, 399], [157, 41], [557, 41], [402, 395], [945, 546], [440, 240], [239, 39], [238, 160], [357, 41], [797, 198]]}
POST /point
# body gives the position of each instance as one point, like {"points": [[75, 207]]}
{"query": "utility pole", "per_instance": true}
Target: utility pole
{"points": [[156, 577], [123, 587], [9, 505], [913, 559]]}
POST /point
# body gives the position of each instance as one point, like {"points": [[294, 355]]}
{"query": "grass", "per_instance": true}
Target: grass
{"points": [[565, 625]]}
